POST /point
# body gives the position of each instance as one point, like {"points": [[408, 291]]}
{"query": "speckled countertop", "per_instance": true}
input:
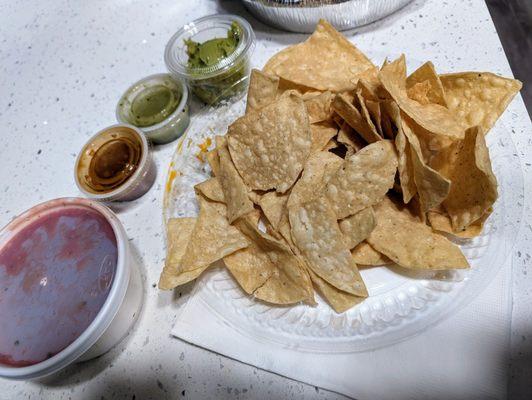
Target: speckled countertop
{"points": [[63, 65]]}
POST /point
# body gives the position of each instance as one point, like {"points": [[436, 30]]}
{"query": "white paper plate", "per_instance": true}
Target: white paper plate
{"points": [[402, 303]]}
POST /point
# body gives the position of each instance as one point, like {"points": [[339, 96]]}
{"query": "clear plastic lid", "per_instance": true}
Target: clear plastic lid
{"points": [[201, 30], [174, 125]]}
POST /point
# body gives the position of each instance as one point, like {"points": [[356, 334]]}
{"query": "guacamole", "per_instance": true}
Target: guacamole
{"points": [[209, 78], [213, 51]]}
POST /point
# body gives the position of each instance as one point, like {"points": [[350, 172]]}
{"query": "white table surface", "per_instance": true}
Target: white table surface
{"points": [[63, 65]]}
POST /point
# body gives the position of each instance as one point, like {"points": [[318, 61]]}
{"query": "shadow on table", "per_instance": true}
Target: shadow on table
{"points": [[521, 367], [279, 36], [84, 371]]}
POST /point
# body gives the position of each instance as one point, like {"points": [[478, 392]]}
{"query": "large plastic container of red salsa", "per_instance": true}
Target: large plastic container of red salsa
{"points": [[70, 288]]}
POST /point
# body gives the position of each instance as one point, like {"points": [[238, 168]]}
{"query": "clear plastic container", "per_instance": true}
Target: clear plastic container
{"points": [[220, 81], [133, 186], [58, 291], [171, 127]]}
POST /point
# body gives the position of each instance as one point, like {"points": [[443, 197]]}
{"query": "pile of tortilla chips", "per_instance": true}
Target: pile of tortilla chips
{"points": [[338, 164]]}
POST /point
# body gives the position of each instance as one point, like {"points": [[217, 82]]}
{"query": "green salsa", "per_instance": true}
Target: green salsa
{"points": [[208, 55], [153, 105]]}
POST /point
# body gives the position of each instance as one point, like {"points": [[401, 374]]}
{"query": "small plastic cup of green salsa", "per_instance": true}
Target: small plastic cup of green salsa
{"points": [[212, 55], [158, 106]]}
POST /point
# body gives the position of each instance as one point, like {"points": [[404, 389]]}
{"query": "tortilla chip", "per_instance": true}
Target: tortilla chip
{"points": [[366, 117], [478, 98], [350, 139], [357, 227], [365, 255], [322, 133], [431, 85], [288, 280], [316, 234], [339, 300], [270, 146], [236, 193], [289, 86], [415, 209], [262, 90], [319, 168], [318, 106], [389, 130], [369, 83], [179, 231], [211, 189], [306, 65], [352, 116], [374, 109], [405, 167], [432, 117], [284, 230], [405, 164], [440, 221], [420, 92], [363, 179], [331, 145], [474, 186], [410, 243], [432, 187], [213, 161], [273, 205], [212, 238], [251, 267]]}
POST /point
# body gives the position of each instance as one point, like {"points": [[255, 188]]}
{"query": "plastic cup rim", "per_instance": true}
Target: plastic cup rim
{"points": [[107, 312]]}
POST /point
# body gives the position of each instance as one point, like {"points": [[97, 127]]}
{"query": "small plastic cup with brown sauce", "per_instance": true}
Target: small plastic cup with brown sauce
{"points": [[115, 165]]}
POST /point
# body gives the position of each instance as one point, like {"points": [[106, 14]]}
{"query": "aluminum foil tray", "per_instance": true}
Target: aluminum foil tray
{"points": [[303, 15]]}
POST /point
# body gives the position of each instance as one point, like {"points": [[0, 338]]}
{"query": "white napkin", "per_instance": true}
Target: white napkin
{"points": [[463, 357]]}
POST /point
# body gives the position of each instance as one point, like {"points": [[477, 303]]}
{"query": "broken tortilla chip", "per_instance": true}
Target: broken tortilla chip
{"points": [[440, 221], [319, 168], [339, 300], [211, 189], [236, 193], [322, 133], [288, 281], [411, 243], [478, 98], [273, 205], [213, 161], [352, 116], [419, 92], [374, 109], [357, 227], [270, 146], [432, 187], [365, 255], [431, 85], [366, 117], [316, 234], [178, 233], [432, 117], [262, 90], [212, 238], [350, 139], [474, 186], [363, 179], [318, 106]]}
